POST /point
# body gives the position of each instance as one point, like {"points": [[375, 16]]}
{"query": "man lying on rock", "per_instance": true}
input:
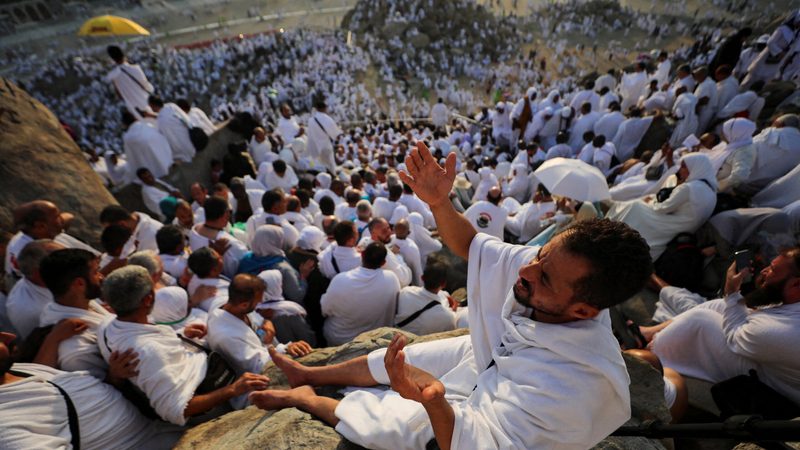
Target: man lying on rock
{"points": [[540, 367]]}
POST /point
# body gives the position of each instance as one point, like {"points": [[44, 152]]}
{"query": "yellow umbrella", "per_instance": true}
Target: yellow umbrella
{"points": [[111, 26]]}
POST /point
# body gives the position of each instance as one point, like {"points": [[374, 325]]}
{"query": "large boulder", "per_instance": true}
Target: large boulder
{"points": [[41, 161], [253, 429]]}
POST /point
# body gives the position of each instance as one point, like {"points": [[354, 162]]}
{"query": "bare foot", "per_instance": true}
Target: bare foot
{"points": [[296, 373], [279, 399]]}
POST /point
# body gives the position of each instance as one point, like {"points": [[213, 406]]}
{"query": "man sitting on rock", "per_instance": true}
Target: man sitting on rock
{"points": [[540, 367]]}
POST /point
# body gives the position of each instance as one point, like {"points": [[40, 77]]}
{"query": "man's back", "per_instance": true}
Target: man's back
{"points": [[357, 301], [487, 218], [433, 320], [169, 371]]}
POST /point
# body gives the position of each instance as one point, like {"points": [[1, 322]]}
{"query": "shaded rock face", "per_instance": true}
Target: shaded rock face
{"points": [[39, 160], [182, 176], [253, 429]]}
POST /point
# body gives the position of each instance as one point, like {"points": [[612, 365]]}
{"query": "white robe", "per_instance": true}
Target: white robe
{"points": [[288, 128], [38, 418], [721, 339], [153, 195], [132, 85], [423, 238], [688, 207], [347, 258], [394, 262], [144, 235], [487, 218], [322, 131], [357, 301], [79, 352], [524, 400], [169, 370], [199, 119], [777, 152], [630, 134], [436, 319], [216, 300], [410, 253], [527, 222], [237, 342], [146, 147], [608, 124], [25, 304], [174, 124], [290, 233], [231, 257]]}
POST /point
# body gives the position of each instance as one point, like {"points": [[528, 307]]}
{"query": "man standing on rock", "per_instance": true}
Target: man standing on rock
{"points": [[540, 367], [130, 82]]}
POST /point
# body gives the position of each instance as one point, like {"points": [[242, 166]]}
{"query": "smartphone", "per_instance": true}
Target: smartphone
{"points": [[742, 258]]}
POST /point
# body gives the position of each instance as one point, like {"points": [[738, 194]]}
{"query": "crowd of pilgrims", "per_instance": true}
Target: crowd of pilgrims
{"points": [[308, 237]]}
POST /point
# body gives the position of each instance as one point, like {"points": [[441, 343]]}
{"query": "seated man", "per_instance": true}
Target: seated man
{"points": [[172, 250], [239, 334], [30, 295], [73, 278], [380, 231], [171, 371], [341, 256], [723, 338], [206, 265], [428, 309], [155, 191], [361, 299], [540, 368], [143, 227], [34, 411], [212, 234]]}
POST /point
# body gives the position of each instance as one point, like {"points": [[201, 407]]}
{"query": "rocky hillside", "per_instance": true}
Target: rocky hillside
{"points": [[39, 160]]}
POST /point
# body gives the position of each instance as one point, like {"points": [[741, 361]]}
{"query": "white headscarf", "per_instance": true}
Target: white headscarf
{"points": [[273, 296], [738, 133], [324, 180], [422, 236], [171, 307], [311, 238], [700, 168], [268, 241]]}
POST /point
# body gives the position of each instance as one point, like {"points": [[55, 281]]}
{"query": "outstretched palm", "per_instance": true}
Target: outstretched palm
{"points": [[430, 181], [410, 382]]}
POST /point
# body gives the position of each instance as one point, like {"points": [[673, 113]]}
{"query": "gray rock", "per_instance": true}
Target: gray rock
{"points": [[41, 161], [292, 429]]}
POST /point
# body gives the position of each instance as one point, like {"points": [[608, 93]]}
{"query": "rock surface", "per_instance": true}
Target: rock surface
{"points": [[39, 160], [253, 429]]}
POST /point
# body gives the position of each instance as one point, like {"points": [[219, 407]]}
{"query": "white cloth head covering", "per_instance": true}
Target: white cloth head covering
{"points": [[311, 238], [700, 168], [268, 241], [422, 236], [273, 296], [171, 307], [324, 180], [738, 132], [531, 91]]}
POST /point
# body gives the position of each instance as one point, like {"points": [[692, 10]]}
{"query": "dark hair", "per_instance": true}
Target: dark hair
{"points": [[202, 261], [155, 100], [141, 171], [375, 222], [304, 196], [128, 118], [215, 207], [183, 104], [114, 237], [434, 276], [619, 258], [562, 137], [270, 199], [293, 203], [327, 206], [279, 166], [374, 255], [344, 231], [599, 141], [352, 196], [330, 227], [115, 53], [395, 191], [60, 268], [113, 214], [169, 239], [244, 287]]}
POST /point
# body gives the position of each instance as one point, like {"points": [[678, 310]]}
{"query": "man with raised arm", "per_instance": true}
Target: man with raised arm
{"points": [[540, 367]]}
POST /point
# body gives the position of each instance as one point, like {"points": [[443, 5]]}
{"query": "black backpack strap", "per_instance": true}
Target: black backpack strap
{"points": [[335, 264], [193, 343], [72, 417], [414, 316], [323, 129]]}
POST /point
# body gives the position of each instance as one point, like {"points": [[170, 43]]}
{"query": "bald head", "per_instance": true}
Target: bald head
{"points": [[259, 134], [402, 229], [245, 288], [39, 219], [495, 195]]}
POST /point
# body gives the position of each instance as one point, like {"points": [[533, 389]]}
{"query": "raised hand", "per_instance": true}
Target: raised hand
{"points": [[430, 181], [408, 381]]}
